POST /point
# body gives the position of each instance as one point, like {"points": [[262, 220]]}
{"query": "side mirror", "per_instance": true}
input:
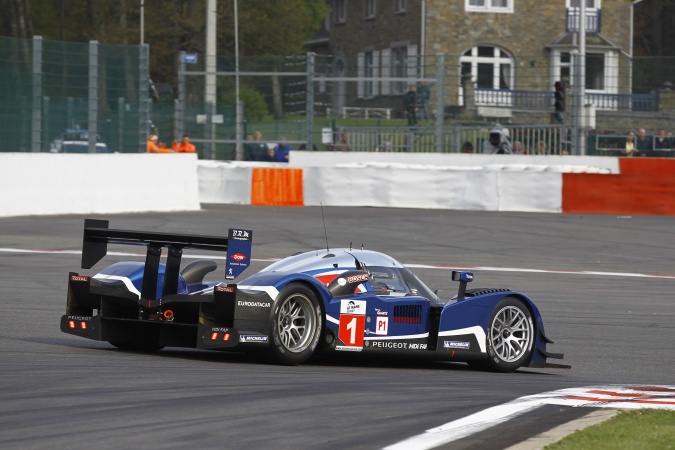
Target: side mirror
{"points": [[463, 278]]}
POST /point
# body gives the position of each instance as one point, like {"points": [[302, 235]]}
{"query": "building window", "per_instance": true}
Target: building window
{"points": [[595, 71], [369, 63], [498, 6], [489, 67], [400, 6], [339, 11], [590, 4], [399, 62], [368, 74], [371, 10]]}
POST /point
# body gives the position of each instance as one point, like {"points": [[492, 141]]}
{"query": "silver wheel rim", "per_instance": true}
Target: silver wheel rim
{"points": [[296, 323], [511, 333]]}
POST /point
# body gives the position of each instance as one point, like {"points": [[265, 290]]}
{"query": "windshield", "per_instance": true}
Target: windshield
{"points": [[397, 279]]}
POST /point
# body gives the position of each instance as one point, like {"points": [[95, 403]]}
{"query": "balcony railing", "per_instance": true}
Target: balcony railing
{"points": [[544, 100], [593, 20]]}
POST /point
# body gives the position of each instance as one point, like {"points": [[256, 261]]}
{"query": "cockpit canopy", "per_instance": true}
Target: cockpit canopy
{"points": [[387, 274]]}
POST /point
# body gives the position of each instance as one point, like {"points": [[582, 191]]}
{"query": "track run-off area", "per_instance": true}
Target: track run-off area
{"points": [[602, 283]]}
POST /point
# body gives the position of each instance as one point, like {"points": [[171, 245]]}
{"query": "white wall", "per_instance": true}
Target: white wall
{"points": [[327, 159], [487, 190], [48, 183]]}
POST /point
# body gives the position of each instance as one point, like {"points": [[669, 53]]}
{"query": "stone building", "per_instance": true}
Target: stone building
{"points": [[496, 53]]}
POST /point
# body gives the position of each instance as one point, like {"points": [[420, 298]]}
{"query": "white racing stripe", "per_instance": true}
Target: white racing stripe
{"points": [[127, 282], [418, 266], [610, 396], [475, 330]]}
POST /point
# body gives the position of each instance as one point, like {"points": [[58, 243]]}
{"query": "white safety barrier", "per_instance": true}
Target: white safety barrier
{"points": [[224, 182], [432, 188], [47, 183], [330, 159]]}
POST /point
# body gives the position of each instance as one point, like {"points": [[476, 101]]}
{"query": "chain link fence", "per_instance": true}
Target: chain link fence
{"points": [[101, 94]]}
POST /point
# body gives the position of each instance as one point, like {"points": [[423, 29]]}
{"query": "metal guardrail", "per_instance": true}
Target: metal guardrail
{"points": [[541, 140], [615, 145], [544, 100]]}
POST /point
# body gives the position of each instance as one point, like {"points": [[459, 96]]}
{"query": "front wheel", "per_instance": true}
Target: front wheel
{"points": [[510, 337], [295, 324]]}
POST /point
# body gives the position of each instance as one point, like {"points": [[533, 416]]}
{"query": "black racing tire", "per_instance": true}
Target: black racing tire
{"points": [[510, 337], [136, 346], [295, 324]]}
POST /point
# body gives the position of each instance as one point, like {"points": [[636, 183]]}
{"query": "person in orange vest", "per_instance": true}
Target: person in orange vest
{"points": [[184, 146], [152, 144]]}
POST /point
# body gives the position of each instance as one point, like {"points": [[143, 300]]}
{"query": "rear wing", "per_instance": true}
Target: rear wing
{"points": [[97, 235]]}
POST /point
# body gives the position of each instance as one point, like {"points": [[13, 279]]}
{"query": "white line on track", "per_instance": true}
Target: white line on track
{"points": [[418, 266], [611, 396]]}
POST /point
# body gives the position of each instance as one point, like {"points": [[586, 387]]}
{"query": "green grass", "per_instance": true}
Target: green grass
{"points": [[644, 429]]}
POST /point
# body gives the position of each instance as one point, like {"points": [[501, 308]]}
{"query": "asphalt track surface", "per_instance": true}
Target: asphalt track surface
{"points": [[59, 391]]}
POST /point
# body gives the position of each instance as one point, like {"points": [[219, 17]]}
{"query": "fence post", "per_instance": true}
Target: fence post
{"points": [[179, 121], [120, 124], [310, 100], [208, 131], [240, 130], [440, 106], [92, 98], [143, 97], [70, 111], [36, 122], [45, 122]]}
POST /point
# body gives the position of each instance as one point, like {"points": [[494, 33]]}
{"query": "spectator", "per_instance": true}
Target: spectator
{"points": [[518, 148], [541, 148], [281, 151], [467, 147], [162, 148], [343, 143], [386, 147], [662, 142], [643, 144], [152, 144], [629, 146], [303, 146], [499, 142], [269, 154], [258, 148], [185, 146], [423, 95], [410, 105]]}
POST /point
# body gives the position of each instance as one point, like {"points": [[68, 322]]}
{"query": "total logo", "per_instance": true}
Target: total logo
{"points": [[238, 257], [354, 307], [79, 278], [225, 289]]}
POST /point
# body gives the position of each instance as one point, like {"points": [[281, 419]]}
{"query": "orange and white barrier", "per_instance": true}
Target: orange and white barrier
{"points": [[568, 184], [44, 183]]}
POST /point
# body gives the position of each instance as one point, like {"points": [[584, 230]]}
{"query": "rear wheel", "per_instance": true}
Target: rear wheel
{"points": [[510, 337], [295, 324]]}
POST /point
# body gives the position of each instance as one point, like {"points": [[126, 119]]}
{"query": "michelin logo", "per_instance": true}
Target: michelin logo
{"points": [[249, 338], [456, 344]]}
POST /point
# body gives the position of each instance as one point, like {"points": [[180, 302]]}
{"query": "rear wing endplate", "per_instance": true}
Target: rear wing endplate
{"points": [[97, 235]]}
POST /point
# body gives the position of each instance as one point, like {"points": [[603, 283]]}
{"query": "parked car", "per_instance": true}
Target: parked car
{"points": [[76, 141]]}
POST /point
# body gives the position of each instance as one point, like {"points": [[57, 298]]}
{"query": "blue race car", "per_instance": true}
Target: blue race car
{"points": [[341, 300]]}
